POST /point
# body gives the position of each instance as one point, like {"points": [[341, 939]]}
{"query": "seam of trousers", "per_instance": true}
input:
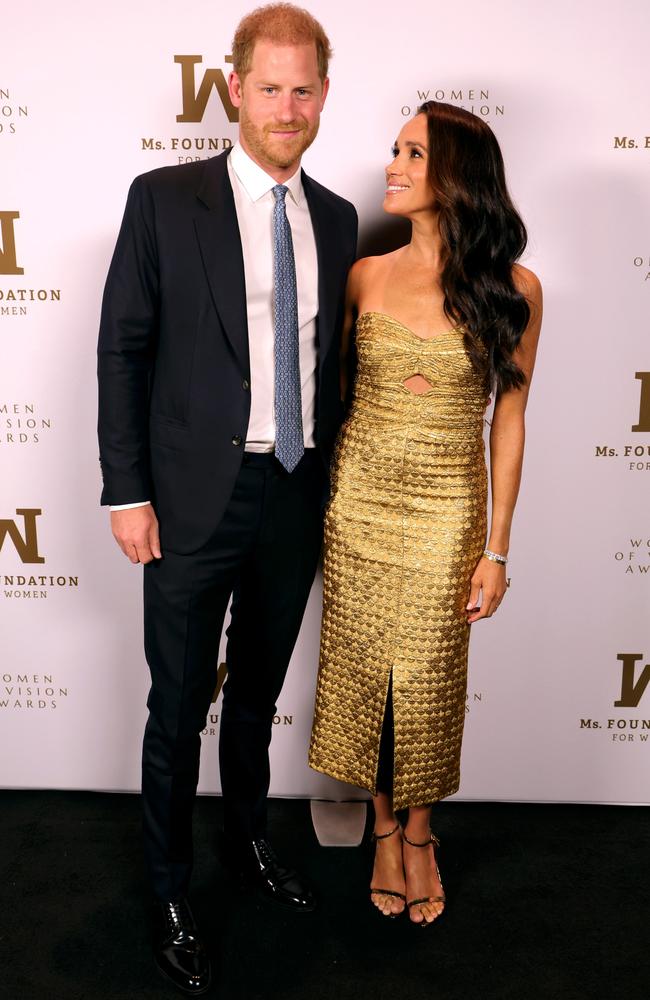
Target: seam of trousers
{"points": [[190, 601]]}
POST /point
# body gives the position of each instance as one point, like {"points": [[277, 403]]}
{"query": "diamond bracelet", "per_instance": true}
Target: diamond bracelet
{"points": [[495, 557]]}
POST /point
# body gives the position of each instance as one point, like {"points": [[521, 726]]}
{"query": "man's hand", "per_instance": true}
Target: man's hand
{"points": [[136, 532]]}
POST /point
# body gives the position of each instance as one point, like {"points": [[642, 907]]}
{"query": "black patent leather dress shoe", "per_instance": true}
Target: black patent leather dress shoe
{"points": [[178, 950], [258, 865]]}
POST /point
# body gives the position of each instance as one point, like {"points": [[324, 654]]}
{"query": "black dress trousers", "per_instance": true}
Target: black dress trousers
{"points": [[264, 553]]}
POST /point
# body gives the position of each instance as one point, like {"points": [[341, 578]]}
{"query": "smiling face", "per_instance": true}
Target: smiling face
{"points": [[408, 191], [280, 101]]}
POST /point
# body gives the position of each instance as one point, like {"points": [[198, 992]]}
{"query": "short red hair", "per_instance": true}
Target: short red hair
{"points": [[283, 24]]}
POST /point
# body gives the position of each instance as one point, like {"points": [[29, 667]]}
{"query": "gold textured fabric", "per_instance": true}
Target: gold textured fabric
{"points": [[404, 530]]}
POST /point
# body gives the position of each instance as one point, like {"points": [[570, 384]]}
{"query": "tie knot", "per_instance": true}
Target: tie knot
{"points": [[280, 192]]}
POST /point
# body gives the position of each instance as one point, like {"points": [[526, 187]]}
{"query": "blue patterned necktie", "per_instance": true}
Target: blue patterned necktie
{"points": [[289, 439]]}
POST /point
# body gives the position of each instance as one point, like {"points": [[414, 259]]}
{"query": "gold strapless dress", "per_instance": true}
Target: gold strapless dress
{"points": [[404, 530]]}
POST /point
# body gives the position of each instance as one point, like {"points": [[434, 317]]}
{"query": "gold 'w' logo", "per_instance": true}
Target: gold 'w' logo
{"points": [[632, 690], [25, 545], [644, 403], [195, 101], [222, 670], [8, 262]]}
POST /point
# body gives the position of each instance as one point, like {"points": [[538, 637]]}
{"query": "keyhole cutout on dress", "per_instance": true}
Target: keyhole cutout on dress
{"points": [[417, 384]]}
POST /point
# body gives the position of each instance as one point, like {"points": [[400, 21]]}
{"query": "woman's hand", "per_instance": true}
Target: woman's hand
{"points": [[489, 580]]}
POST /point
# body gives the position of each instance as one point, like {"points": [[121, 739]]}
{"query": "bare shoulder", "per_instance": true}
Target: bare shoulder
{"points": [[361, 274], [367, 271], [366, 267], [527, 282]]}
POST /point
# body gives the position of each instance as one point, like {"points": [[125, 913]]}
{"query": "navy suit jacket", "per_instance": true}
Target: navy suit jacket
{"points": [[173, 361]]}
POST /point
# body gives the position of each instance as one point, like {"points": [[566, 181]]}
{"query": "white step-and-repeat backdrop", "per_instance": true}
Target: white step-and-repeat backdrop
{"points": [[558, 705]]}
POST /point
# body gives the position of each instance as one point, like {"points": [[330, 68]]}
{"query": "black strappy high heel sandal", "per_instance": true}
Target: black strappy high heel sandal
{"points": [[426, 899], [387, 892]]}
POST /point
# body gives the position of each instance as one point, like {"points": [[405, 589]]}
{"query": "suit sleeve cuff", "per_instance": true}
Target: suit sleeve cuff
{"points": [[129, 506]]}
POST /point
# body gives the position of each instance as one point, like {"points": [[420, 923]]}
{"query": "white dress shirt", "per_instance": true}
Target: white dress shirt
{"points": [[254, 201]]}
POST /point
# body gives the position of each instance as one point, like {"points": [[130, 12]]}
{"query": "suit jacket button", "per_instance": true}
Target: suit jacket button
{"points": [[236, 439], [245, 384]]}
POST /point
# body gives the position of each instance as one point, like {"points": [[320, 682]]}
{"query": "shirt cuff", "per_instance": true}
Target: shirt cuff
{"points": [[129, 506]]}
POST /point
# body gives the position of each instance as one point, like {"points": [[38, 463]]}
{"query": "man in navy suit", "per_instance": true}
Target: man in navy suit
{"points": [[219, 405]]}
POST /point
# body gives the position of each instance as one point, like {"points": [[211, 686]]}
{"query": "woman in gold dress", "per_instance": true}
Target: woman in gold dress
{"points": [[439, 325]]}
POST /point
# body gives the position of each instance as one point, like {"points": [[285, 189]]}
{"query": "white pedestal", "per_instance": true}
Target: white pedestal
{"points": [[339, 824]]}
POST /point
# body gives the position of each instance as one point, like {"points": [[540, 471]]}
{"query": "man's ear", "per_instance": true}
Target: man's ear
{"points": [[326, 87], [235, 89]]}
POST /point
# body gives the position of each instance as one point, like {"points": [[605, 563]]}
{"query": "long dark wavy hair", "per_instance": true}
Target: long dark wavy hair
{"points": [[482, 236]]}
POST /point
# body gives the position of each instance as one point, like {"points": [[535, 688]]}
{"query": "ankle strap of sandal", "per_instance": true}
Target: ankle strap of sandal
{"points": [[432, 840], [382, 836]]}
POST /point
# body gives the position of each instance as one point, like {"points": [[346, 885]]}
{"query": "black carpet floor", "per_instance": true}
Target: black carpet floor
{"points": [[545, 901]]}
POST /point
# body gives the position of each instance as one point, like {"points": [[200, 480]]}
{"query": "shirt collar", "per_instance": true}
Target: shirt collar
{"points": [[255, 181]]}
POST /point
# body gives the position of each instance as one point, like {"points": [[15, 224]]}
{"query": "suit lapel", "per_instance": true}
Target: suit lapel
{"points": [[329, 266], [220, 244]]}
